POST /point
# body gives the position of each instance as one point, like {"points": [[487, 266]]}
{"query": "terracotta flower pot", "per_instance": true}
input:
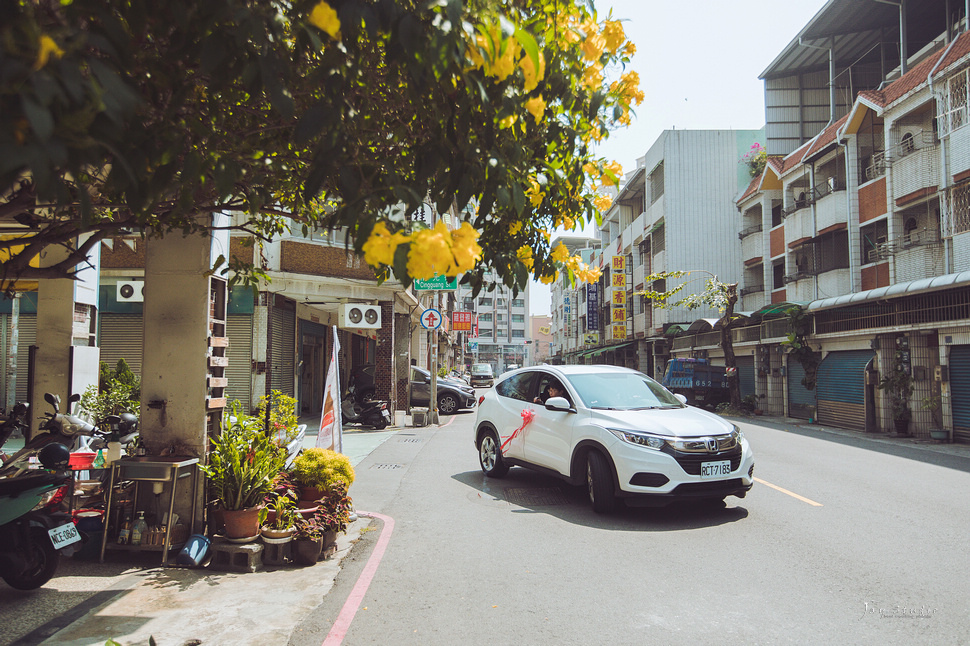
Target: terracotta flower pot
{"points": [[241, 523], [306, 551], [309, 496], [277, 535]]}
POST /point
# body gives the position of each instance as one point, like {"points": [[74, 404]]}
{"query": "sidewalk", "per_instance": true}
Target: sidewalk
{"points": [[130, 598]]}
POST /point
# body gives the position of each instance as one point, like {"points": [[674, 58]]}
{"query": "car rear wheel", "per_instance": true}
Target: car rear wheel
{"points": [[599, 483], [490, 455], [447, 404]]}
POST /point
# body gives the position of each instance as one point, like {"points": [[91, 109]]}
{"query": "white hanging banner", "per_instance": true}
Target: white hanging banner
{"points": [[331, 430]]}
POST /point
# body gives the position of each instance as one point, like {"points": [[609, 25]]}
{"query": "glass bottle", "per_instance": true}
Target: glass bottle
{"points": [[125, 532], [138, 529]]}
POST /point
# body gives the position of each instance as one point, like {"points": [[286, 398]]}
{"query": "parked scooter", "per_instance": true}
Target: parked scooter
{"points": [[33, 532], [367, 413], [58, 429]]}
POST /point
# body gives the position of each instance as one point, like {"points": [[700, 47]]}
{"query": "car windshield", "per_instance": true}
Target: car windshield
{"points": [[481, 369], [622, 391]]}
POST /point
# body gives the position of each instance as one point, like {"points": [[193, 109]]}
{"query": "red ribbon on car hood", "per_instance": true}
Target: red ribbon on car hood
{"points": [[527, 415]]}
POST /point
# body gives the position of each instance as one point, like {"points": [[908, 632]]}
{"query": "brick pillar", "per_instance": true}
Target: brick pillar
{"points": [[402, 347], [384, 385]]}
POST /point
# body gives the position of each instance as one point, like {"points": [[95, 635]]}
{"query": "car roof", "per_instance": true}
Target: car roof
{"points": [[567, 370]]}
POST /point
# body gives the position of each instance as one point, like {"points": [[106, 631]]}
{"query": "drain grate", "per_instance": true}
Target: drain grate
{"points": [[387, 466], [535, 497], [410, 440]]}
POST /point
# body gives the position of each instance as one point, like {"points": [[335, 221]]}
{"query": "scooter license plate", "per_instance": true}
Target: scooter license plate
{"points": [[387, 414], [64, 535]]}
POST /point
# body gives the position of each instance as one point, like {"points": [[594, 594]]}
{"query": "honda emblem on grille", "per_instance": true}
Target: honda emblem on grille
{"points": [[711, 444]]}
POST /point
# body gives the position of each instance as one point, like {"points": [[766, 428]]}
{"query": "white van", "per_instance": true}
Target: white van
{"points": [[482, 375]]}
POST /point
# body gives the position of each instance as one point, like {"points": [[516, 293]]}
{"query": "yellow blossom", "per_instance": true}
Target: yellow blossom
{"points": [[568, 223], [593, 76], [324, 18], [508, 121], [381, 245], [613, 34], [430, 252], [524, 253], [514, 228], [46, 48], [531, 74], [548, 279], [465, 247], [560, 253], [537, 107], [629, 49], [613, 173], [602, 202], [534, 193]]}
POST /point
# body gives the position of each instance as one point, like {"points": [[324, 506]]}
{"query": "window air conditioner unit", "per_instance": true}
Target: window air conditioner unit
{"points": [[359, 317], [131, 291]]}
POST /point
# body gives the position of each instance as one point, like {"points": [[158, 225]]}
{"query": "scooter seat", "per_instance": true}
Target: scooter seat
{"points": [[13, 487]]}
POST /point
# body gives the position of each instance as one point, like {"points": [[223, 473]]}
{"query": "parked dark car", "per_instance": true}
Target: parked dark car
{"points": [[452, 394]]}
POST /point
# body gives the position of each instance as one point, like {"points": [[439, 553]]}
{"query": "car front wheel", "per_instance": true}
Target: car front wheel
{"points": [[447, 404], [599, 483], [490, 456]]}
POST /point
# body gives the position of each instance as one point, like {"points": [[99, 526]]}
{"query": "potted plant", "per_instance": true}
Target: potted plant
{"points": [[317, 533], [898, 384], [317, 470], [242, 464], [933, 404], [282, 527]]}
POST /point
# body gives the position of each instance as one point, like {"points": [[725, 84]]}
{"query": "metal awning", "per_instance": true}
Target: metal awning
{"points": [[921, 286]]}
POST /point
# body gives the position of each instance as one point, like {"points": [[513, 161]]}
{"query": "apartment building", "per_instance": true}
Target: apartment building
{"points": [[675, 211], [866, 226], [500, 325]]}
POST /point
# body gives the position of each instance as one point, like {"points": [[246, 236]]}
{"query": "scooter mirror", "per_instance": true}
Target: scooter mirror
{"points": [[76, 397], [53, 400]]}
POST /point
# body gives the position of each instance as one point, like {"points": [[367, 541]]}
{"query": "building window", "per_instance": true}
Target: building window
{"points": [[518, 334], [499, 316], [657, 183], [499, 302], [518, 302], [778, 275], [487, 302], [485, 331], [832, 251], [486, 317], [518, 318], [469, 304]]}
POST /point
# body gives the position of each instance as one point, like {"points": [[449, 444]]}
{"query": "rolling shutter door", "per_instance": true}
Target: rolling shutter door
{"points": [[960, 391], [27, 336], [283, 336], [239, 328], [121, 336], [801, 400], [746, 375], [842, 390]]}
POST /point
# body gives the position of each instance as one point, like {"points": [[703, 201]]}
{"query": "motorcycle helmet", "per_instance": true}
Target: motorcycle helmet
{"points": [[55, 457]]}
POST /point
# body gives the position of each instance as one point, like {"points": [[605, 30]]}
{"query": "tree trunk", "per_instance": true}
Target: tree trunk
{"points": [[727, 344]]}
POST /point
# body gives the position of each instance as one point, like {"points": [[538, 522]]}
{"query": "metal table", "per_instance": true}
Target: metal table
{"points": [[152, 469]]}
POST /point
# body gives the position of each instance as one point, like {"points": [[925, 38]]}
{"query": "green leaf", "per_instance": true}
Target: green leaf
{"points": [[528, 44], [39, 117]]}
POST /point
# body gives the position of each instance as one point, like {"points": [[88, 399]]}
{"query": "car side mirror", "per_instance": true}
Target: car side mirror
{"points": [[559, 404], [681, 398]]}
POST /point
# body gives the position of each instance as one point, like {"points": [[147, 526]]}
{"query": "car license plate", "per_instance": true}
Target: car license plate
{"points": [[715, 469], [64, 535]]}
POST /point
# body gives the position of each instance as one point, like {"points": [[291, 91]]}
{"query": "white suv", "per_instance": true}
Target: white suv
{"points": [[616, 430]]}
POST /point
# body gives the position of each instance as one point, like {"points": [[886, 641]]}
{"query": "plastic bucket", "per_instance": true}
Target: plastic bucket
{"points": [[194, 551]]}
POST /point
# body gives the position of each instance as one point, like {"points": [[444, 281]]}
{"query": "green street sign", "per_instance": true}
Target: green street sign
{"points": [[438, 283]]}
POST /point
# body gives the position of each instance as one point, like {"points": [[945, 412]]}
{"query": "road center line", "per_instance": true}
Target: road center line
{"points": [[340, 627], [785, 491]]}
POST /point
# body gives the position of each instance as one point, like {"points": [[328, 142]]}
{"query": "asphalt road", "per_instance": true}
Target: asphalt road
{"points": [[841, 541]]}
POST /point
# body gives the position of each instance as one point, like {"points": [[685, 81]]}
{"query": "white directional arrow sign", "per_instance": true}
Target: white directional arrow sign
{"points": [[431, 319]]}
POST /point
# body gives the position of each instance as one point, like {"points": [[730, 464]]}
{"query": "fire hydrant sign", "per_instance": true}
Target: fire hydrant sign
{"points": [[431, 319]]}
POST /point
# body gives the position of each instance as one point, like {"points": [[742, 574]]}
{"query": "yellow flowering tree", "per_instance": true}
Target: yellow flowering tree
{"points": [[139, 116]]}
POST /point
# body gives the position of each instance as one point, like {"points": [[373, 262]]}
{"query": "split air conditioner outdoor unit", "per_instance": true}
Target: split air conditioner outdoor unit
{"points": [[359, 317], [131, 291]]}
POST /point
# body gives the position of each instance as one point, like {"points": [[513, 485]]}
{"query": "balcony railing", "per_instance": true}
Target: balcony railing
{"points": [[752, 289], [803, 201], [916, 238], [798, 275], [874, 166], [755, 228]]}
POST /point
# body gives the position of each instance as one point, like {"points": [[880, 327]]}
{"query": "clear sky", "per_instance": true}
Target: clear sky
{"points": [[699, 64]]}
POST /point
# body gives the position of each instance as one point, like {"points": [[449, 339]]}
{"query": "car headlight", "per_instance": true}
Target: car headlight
{"points": [[640, 439], [737, 434]]}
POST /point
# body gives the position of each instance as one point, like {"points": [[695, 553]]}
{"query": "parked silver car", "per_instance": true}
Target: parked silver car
{"points": [[453, 394]]}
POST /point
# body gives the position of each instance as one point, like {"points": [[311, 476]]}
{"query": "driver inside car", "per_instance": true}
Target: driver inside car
{"points": [[552, 390]]}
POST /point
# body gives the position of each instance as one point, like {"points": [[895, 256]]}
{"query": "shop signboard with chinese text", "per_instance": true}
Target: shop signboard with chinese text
{"points": [[592, 307]]}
